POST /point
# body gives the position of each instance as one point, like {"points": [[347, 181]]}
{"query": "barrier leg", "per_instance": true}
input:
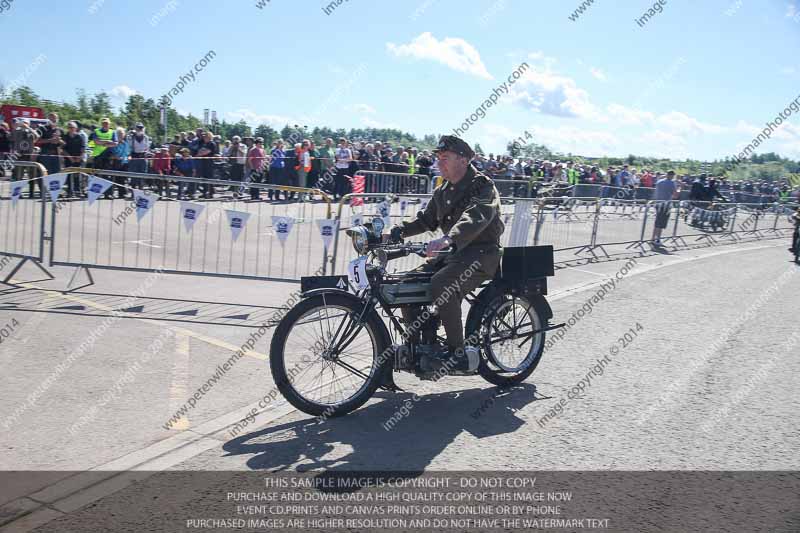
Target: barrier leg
{"points": [[75, 275], [19, 266]]}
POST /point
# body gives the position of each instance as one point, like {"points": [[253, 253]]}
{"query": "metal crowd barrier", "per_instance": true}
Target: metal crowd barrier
{"points": [[276, 241], [22, 220]]}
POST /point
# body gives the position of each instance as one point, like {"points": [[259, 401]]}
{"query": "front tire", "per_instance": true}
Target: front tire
{"points": [[308, 376], [504, 324]]}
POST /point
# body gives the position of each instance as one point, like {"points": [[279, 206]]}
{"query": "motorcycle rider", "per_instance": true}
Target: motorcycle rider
{"points": [[796, 232], [466, 207]]}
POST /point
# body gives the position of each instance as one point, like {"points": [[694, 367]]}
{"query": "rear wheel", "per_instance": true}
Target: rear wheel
{"points": [[509, 329], [326, 358]]}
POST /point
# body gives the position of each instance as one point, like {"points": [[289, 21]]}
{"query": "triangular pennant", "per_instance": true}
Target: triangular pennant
{"points": [[403, 206], [95, 187], [55, 182], [327, 229], [190, 212], [236, 221], [282, 227], [356, 219], [383, 212], [191, 312], [16, 191], [144, 202], [136, 309]]}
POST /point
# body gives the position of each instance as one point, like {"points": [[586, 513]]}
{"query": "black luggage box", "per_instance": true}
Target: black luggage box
{"points": [[520, 263]]}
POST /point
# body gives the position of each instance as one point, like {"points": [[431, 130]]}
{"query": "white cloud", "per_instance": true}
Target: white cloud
{"points": [[599, 74], [253, 118], [549, 93], [454, 52], [577, 140], [123, 91], [371, 123], [361, 108], [792, 11], [788, 70], [678, 122], [660, 143], [627, 115], [746, 127]]}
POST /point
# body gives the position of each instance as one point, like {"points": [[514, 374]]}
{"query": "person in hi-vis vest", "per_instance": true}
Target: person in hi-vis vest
{"points": [[100, 140]]}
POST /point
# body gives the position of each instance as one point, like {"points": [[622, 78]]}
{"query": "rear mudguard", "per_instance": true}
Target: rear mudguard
{"points": [[534, 290]]}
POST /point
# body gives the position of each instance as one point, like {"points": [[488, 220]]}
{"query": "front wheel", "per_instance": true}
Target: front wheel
{"points": [[509, 332], [326, 355]]}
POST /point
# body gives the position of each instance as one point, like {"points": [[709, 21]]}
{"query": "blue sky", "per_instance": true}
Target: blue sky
{"points": [[699, 80]]}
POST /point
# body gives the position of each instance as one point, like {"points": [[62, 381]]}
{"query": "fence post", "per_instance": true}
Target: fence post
{"points": [[539, 222], [644, 221], [338, 231], [775, 223]]}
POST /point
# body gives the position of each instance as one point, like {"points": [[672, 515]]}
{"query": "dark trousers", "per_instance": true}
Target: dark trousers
{"points": [[255, 192], [341, 185], [458, 277]]}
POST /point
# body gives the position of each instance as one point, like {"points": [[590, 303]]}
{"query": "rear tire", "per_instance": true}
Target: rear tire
{"points": [[299, 342], [496, 317]]}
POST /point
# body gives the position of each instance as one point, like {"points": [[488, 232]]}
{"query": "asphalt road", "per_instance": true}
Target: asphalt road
{"points": [[708, 380]]}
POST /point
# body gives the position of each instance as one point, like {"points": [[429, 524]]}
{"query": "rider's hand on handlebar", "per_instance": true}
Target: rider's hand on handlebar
{"points": [[395, 235], [437, 245]]}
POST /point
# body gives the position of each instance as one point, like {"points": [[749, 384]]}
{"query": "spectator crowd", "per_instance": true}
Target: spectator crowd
{"points": [[296, 162]]}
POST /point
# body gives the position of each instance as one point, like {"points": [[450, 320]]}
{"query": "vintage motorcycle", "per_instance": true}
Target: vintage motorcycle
{"points": [[344, 339]]}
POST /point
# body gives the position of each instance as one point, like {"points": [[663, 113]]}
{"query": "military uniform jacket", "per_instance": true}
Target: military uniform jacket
{"points": [[467, 212]]}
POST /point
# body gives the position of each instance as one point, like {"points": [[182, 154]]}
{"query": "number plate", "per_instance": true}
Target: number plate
{"points": [[357, 272]]}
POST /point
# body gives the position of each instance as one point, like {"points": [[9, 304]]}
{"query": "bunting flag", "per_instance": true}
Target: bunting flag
{"points": [[282, 227], [403, 206], [190, 212], [16, 191], [144, 201], [356, 220], [383, 212], [236, 221], [423, 204], [55, 182], [95, 187], [327, 229]]}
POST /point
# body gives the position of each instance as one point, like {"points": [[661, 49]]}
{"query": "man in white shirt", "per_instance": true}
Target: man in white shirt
{"points": [[343, 157]]}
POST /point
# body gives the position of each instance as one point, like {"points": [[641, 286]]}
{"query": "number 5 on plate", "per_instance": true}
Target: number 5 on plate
{"points": [[357, 273]]}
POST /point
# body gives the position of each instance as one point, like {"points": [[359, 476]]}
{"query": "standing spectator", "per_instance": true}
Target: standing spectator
{"points": [[5, 148], [256, 158], [313, 176], [343, 157], [50, 141], [277, 167], [101, 140], [24, 138], [207, 151], [74, 152], [140, 147], [237, 158], [162, 165], [327, 156], [303, 165], [184, 167], [666, 191], [119, 159]]}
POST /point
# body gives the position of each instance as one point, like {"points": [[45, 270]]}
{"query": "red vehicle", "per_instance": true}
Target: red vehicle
{"points": [[11, 113]]}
